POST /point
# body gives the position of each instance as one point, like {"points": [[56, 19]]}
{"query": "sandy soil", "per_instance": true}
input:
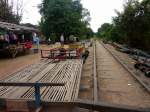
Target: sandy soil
{"points": [[9, 65], [116, 85]]}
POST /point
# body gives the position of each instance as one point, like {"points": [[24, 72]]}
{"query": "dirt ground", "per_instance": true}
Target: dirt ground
{"points": [[127, 60], [9, 65], [116, 85]]}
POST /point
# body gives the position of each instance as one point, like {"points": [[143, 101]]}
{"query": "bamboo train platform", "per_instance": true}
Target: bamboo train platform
{"points": [[45, 71]]}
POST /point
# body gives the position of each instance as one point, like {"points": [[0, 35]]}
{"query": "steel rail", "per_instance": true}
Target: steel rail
{"points": [[95, 76], [127, 69]]}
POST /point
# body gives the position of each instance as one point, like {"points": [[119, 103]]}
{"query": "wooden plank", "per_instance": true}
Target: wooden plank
{"points": [[17, 106], [66, 73], [29, 84], [96, 106], [107, 107]]}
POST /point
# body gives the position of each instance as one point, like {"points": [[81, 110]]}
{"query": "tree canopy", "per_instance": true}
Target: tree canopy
{"points": [[67, 17], [104, 30], [7, 14], [131, 26]]}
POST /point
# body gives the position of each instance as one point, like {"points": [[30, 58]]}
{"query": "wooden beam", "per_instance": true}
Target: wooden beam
{"points": [[26, 84], [107, 107], [87, 104], [95, 106]]}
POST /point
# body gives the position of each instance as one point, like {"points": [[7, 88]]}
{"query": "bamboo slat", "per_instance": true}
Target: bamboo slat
{"points": [[45, 71]]}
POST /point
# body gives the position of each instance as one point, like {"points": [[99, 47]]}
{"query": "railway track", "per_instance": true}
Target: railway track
{"points": [[103, 79], [110, 82], [115, 83], [128, 64]]}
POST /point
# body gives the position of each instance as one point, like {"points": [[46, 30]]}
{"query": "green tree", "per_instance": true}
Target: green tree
{"points": [[131, 26], [134, 24], [67, 17], [7, 14], [89, 33], [104, 30]]}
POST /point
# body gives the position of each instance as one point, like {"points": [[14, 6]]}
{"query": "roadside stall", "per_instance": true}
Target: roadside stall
{"points": [[15, 39]]}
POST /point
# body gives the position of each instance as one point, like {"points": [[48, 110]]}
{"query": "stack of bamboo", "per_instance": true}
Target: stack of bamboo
{"points": [[68, 72]]}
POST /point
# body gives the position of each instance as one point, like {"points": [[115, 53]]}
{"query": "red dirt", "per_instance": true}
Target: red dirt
{"points": [[9, 65]]}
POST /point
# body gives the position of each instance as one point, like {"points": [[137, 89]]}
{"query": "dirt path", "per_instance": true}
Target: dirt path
{"points": [[9, 65], [115, 84]]}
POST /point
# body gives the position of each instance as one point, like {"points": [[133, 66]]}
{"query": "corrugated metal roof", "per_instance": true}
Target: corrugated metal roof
{"points": [[15, 27]]}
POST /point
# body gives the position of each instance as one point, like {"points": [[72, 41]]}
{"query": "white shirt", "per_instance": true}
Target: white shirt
{"points": [[62, 38]]}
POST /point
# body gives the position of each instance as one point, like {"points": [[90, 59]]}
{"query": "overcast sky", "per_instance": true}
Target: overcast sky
{"points": [[101, 11]]}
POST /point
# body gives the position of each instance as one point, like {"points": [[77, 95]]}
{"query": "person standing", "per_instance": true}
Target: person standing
{"points": [[62, 39], [15, 39], [49, 41], [36, 40]]}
